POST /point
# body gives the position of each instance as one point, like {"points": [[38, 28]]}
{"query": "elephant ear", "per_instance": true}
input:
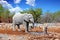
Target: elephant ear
{"points": [[26, 17]]}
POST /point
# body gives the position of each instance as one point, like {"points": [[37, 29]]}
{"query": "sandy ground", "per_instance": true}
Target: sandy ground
{"points": [[6, 33]]}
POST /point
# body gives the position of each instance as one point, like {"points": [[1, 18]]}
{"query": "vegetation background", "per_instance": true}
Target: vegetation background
{"points": [[39, 17]]}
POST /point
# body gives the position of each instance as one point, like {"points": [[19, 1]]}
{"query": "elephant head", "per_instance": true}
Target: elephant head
{"points": [[29, 18]]}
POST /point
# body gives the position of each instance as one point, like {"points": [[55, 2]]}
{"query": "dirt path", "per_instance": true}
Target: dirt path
{"points": [[34, 34]]}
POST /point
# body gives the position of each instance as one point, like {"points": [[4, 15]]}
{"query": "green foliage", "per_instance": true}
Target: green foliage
{"points": [[38, 13], [57, 16], [5, 14], [1, 10], [57, 13], [35, 12]]}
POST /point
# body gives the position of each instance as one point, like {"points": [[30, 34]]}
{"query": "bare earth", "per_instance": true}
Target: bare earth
{"points": [[6, 33]]}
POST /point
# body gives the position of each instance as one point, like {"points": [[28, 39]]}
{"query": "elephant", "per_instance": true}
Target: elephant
{"points": [[24, 19]]}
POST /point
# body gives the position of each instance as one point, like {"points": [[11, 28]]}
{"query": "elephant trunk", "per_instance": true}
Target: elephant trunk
{"points": [[32, 25], [32, 21]]}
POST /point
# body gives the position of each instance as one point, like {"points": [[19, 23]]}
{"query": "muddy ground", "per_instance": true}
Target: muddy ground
{"points": [[6, 33]]}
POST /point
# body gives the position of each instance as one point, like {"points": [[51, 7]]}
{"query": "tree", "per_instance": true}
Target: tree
{"points": [[8, 16], [35, 12], [38, 13], [57, 16], [48, 17], [5, 15], [1, 12]]}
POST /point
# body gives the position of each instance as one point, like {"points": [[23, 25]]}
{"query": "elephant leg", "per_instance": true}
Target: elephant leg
{"points": [[26, 26], [18, 27], [32, 26], [14, 28]]}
